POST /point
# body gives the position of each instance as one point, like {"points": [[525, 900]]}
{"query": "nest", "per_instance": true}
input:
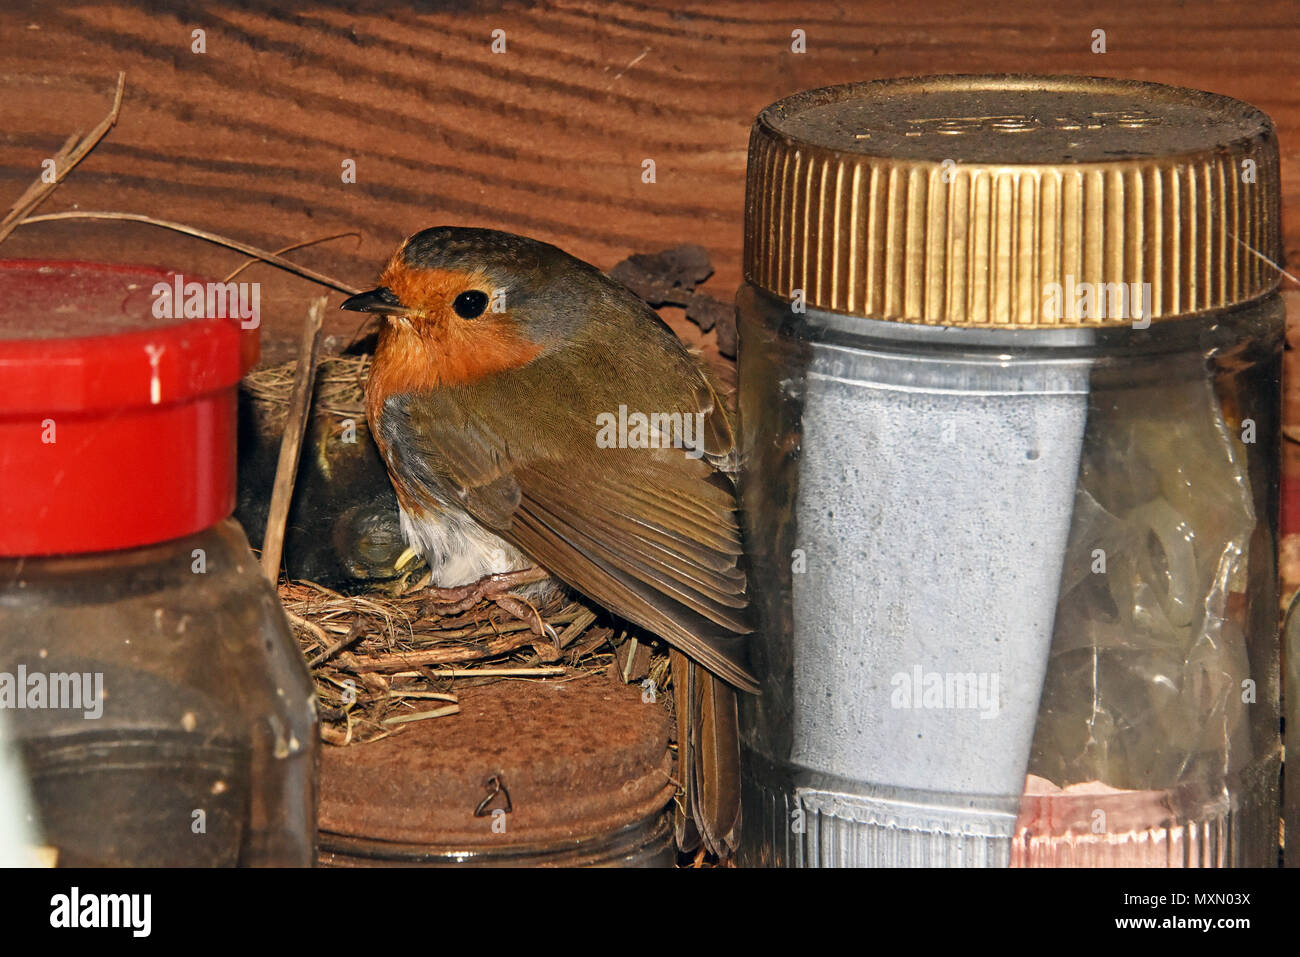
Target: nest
{"points": [[339, 389], [381, 661]]}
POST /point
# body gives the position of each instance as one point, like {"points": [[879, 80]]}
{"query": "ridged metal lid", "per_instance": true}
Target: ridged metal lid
{"points": [[1012, 201]]}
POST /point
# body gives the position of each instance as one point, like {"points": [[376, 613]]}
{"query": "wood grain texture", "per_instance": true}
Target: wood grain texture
{"points": [[547, 138]]}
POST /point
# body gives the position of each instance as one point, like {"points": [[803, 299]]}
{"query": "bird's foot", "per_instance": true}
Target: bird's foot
{"points": [[464, 597], [525, 610], [497, 589]]}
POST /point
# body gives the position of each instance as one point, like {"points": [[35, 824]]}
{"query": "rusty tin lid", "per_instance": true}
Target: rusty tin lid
{"points": [[579, 759]]}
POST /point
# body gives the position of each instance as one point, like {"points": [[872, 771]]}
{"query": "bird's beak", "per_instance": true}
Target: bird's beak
{"points": [[379, 300]]}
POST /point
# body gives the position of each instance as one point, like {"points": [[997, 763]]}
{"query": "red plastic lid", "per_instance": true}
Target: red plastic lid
{"points": [[117, 422]]}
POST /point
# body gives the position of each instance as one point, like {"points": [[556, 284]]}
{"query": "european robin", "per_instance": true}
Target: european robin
{"points": [[540, 422]]}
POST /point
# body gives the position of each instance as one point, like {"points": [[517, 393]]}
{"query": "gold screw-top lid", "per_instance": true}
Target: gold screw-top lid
{"points": [[1013, 201]]}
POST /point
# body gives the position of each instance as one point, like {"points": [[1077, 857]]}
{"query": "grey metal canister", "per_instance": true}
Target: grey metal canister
{"points": [[988, 325]]}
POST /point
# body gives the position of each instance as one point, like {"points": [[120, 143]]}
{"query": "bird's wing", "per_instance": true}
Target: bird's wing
{"points": [[649, 533]]}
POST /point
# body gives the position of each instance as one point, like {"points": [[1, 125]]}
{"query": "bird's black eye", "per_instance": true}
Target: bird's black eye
{"points": [[470, 303]]}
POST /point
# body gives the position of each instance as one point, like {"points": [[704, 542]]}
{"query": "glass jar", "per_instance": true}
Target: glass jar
{"points": [[147, 672], [18, 846], [1009, 393], [1291, 696]]}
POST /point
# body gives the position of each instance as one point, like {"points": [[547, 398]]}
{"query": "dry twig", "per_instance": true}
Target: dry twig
{"points": [[73, 152], [286, 470], [249, 249]]}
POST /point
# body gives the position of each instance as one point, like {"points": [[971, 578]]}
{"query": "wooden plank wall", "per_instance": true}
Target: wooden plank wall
{"points": [[547, 138]]}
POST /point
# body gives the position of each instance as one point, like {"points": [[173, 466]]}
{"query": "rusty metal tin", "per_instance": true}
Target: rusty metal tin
{"points": [[584, 768]]}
